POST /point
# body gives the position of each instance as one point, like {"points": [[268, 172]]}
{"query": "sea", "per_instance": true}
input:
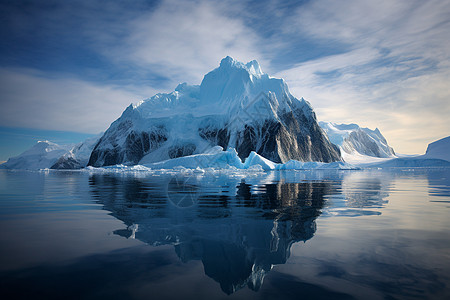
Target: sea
{"points": [[318, 234]]}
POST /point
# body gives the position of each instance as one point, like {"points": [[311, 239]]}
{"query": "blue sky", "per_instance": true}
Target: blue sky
{"points": [[74, 66]]}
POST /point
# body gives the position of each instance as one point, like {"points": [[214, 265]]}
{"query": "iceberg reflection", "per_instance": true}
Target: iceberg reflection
{"points": [[238, 228], [238, 233]]}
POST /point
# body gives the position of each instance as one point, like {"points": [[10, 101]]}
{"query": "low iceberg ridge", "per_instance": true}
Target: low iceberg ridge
{"points": [[216, 158]]}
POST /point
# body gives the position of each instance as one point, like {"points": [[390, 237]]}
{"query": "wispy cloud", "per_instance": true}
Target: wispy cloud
{"points": [[32, 100], [188, 39], [392, 77], [168, 42]]}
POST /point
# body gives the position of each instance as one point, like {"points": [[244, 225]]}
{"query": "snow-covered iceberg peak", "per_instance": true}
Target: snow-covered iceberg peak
{"points": [[252, 67], [223, 91], [235, 84]]}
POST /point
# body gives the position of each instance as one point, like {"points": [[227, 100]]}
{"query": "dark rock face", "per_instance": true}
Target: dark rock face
{"points": [[360, 141], [67, 163], [109, 151], [290, 135], [181, 150], [292, 138], [363, 144], [215, 136], [352, 138]]}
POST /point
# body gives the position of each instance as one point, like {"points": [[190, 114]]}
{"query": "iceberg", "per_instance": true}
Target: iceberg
{"points": [[236, 105], [439, 149]]}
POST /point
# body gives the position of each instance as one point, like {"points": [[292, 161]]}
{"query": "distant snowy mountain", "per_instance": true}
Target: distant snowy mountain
{"points": [[439, 149], [42, 155], [353, 139], [236, 105], [48, 155], [437, 156]]}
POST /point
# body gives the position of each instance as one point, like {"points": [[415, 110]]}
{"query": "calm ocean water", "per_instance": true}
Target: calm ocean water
{"points": [[283, 235]]}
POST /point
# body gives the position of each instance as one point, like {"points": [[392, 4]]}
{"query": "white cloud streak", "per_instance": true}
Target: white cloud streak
{"points": [[179, 40], [395, 77], [185, 40], [31, 100]]}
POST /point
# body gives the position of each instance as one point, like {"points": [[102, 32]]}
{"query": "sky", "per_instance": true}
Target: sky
{"points": [[69, 68]]}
